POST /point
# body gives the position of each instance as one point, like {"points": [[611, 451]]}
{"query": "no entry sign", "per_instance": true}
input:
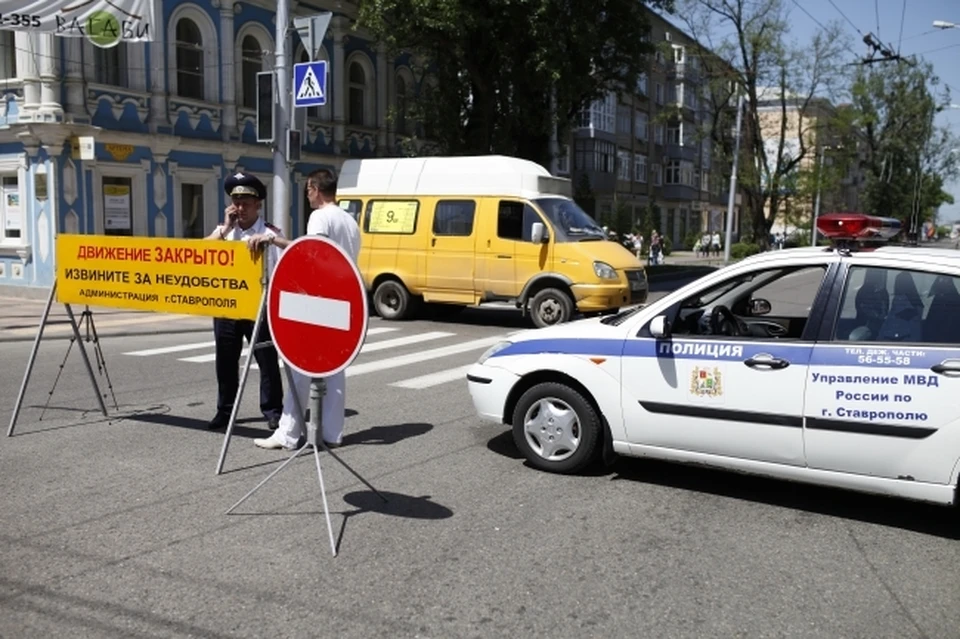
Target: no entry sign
{"points": [[317, 307]]}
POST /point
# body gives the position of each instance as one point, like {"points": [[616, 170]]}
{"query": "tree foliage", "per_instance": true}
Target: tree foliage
{"points": [[490, 68], [908, 158], [783, 84]]}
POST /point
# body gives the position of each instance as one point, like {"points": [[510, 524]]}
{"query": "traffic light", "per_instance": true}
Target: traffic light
{"points": [[266, 98]]}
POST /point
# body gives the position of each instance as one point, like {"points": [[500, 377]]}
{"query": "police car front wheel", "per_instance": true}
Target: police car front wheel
{"points": [[556, 428]]}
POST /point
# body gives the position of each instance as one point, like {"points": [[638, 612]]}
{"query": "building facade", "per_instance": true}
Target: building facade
{"points": [[839, 155], [649, 149], [171, 119]]}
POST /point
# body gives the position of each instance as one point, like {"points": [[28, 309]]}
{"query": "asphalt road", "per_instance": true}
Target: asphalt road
{"points": [[116, 527]]}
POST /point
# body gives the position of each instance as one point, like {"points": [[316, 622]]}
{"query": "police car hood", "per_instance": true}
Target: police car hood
{"points": [[589, 328]]}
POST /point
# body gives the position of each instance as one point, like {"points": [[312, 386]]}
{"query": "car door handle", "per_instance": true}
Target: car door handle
{"points": [[504, 257], [433, 242], [947, 368], [766, 361]]}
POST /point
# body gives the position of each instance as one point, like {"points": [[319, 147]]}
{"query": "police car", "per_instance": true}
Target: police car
{"points": [[837, 366]]}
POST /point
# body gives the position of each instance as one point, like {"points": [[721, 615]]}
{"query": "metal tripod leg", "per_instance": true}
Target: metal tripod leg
{"points": [[32, 359], [91, 328], [86, 360], [243, 381]]}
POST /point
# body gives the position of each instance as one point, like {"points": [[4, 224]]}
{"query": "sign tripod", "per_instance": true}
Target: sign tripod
{"points": [[90, 335], [317, 308], [88, 316]]}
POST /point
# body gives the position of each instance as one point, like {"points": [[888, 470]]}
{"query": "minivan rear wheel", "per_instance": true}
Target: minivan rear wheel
{"points": [[392, 300], [550, 306]]}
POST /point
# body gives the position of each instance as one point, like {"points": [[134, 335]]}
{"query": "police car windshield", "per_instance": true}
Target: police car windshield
{"points": [[569, 221]]}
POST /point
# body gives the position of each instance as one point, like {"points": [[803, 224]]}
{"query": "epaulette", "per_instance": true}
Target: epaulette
{"points": [[272, 228]]}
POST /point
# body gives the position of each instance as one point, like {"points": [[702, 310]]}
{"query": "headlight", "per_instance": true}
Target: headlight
{"points": [[604, 271], [493, 350]]}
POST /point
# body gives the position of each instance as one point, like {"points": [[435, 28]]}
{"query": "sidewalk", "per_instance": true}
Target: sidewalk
{"points": [[20, 319]]}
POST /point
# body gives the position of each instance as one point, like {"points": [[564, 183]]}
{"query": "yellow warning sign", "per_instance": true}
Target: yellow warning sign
{"points": [[191, 277]]}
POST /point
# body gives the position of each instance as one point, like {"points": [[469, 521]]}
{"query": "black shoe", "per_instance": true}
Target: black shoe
{"points": [[219, 421], [273, 423]]}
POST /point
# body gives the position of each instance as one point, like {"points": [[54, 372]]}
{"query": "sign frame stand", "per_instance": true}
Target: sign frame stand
{"points": [[318, 389], [36, 347]]}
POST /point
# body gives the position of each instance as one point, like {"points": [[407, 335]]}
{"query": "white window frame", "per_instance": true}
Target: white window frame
{"points": [[369, 90], [263, 37], [136, 54], [138, 193], [210, 180], [641, 122], [640, 168], [211, 52], [624, 165], [10, 165]]}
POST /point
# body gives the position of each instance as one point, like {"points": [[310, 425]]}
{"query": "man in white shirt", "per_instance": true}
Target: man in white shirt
{"points": [[243, 222], [330, 221]]}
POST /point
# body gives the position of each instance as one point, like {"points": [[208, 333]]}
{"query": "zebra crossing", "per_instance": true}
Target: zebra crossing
{"points": [[432, 346]]}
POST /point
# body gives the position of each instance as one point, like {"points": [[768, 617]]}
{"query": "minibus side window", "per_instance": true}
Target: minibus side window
{"points": [[454, 217], [392, 217], [515, 221], [353, 207]]}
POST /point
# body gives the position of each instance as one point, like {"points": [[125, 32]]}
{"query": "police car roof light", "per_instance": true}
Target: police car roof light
{"points": [[857, 226]]}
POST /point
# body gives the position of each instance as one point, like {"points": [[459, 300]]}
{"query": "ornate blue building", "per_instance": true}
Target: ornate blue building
{"points": [[170, 119]]}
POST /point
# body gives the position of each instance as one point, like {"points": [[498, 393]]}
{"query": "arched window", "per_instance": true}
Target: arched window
{"points": [[358, 87], [190, 59], [251, 63], [193, 54]]}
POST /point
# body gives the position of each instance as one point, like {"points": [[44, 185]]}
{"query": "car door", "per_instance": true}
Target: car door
{"points": [[738, 396], [883, 393], [450, 256], [511, 261]]}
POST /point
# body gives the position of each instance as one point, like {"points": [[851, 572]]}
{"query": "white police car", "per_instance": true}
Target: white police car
{"points": [[837, 366]]}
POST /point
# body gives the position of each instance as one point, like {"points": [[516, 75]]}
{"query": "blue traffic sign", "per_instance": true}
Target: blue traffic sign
{"points": [[310, 84]]}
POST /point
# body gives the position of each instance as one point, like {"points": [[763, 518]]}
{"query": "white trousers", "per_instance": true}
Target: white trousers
{"points": [[292, 426]]}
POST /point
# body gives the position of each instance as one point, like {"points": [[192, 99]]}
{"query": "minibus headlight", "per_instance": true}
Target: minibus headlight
{"points": [[604, 271]]}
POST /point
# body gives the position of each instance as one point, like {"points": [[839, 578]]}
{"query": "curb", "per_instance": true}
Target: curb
{"points": [[107, 334]]}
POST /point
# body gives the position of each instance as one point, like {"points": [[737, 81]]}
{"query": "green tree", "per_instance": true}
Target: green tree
{"points": [[495, 68], [908, 158], [784, 85]]}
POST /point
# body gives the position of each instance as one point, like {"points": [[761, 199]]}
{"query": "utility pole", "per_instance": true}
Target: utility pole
{"points": [[816, 206], [280, 213], [733, 181]]}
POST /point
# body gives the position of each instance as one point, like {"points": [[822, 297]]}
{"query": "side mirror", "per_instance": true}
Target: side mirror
{"points": [[759, 307], [538, 234], [660, 327]]}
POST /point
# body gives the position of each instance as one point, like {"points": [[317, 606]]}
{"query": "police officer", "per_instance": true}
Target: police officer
{"points": [[242, 221], [330, 221]]}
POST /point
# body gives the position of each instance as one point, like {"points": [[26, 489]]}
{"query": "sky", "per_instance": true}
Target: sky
{"points": [[940, 47], [904, 25]]}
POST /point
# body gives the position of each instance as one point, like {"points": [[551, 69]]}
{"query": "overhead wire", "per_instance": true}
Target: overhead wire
{"points": [[844, 17], [903, 14], [819, 24]]}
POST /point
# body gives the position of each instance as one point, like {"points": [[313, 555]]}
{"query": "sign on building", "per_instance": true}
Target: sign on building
{"points": [[105, 23]]}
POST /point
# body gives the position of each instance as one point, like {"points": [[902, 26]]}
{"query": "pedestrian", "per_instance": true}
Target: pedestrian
{"points": [[242, 221], [715, 242], [332, 222]]}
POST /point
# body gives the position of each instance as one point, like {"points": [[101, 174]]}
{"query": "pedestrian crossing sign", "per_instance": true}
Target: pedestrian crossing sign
{"points": [[310, 84]]}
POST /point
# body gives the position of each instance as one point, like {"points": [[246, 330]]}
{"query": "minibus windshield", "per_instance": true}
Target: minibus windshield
{"points": [[571, 223]]}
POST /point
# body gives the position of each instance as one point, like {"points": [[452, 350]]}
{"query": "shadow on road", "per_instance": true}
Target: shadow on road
{"points": [[918, 517], [384, 435], [885, 511]]}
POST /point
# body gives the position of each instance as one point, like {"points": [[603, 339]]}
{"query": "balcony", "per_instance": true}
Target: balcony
{"points": [[679, 192], [683, 72], [680, 152]]}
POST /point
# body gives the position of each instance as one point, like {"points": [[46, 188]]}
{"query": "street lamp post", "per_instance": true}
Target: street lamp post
{"points": [[816, 205]]}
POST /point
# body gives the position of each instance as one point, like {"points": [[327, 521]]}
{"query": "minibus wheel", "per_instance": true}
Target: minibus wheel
{"points": [[550, 306], [392, 300]]}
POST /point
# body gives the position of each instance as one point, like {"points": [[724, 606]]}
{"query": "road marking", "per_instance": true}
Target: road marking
{"points": [[378, 331], [423, 356], [435, 379], [403, 341], [316, 311], [171, 349]]}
